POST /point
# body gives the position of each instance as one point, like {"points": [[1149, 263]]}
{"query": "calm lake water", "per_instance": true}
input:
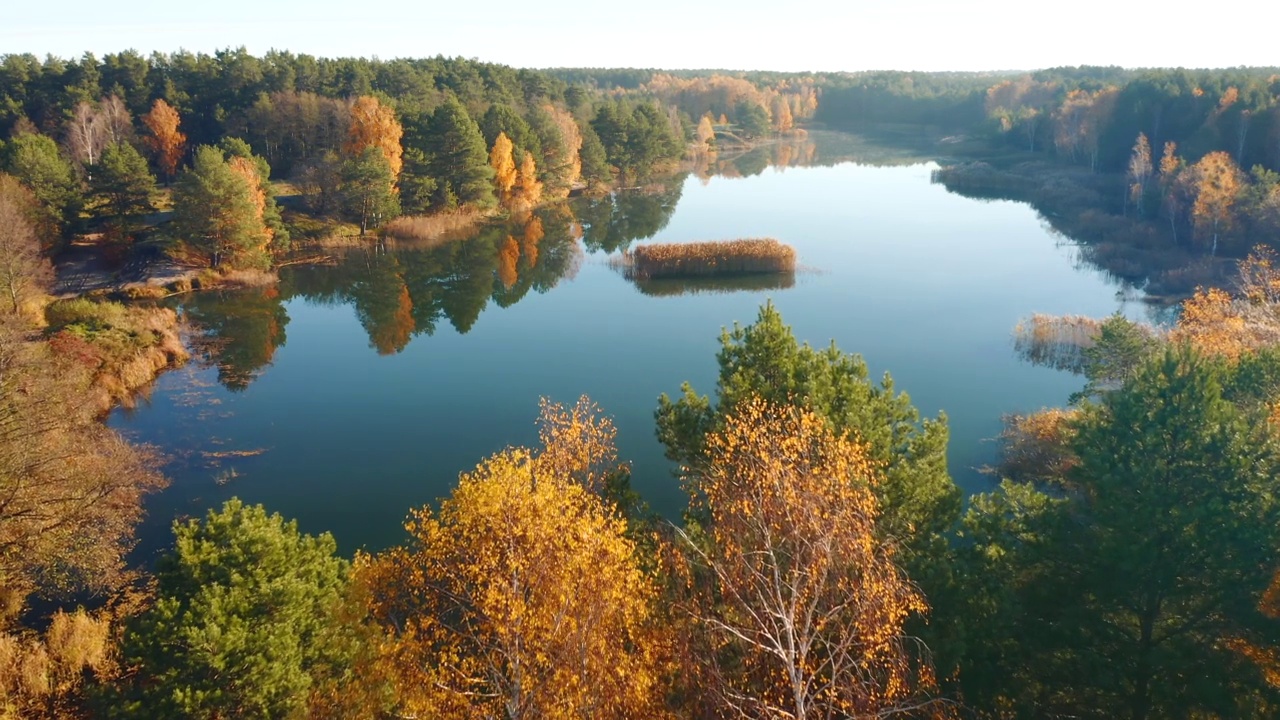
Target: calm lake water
{"points": [[354, 392]]}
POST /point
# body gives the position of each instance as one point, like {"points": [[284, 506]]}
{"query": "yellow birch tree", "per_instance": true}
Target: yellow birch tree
{"points": [[522, 597], [1217, 186], [801, 598]]}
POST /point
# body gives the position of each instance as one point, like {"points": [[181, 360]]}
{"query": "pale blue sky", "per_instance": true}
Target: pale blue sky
{"points": [[747, 34]]}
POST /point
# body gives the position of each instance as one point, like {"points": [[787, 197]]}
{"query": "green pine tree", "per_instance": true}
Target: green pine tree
{"points": [[123, 187], [368, 189], [460, 162], [214, 212], [245, 624], [37, 161]]}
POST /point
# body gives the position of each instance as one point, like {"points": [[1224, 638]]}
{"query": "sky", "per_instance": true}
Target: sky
{"points": [[744, 35]]}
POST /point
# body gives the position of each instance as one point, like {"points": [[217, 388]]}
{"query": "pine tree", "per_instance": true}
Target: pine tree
{"points": [[459, 161], [216, 211], [245, 622], [37, 161], [123, 187], [368, 189]]}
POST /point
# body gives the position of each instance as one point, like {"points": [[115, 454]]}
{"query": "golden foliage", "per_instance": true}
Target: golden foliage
{"points": [[25, 274], [73, 488], [783, 121], [577, 443], [729, 257], [1212, 323], [1170, 163], [1078, 122], [1036, 448], [706, 133], [392, 336], [794, 583], [1265, 657], [529, 239], [41, 676], [166, 141], [504, 168], [528, 189], [1217, 185], [246, 169], [719, 94], [375, 125], [1139, 171], [1259, 278], [522, 596], [508, 256], [1229, 98]]}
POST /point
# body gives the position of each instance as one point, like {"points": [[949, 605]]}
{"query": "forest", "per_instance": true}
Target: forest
{"points": [[826, 564]]}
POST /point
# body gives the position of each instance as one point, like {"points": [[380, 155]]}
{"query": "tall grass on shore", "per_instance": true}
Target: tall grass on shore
{"points": [[428, 228], [123, 347], [709, 259]]}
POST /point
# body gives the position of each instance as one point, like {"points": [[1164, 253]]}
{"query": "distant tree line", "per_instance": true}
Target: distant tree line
{"points": [[364, 141]]}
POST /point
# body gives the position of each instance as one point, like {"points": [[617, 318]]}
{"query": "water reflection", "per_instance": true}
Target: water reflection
{"points": [[817, 149], [612, 222], [400, 291], [666, 287], [243, 329]]}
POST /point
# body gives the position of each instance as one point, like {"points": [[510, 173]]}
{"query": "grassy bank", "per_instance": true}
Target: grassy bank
{"points": [[709, 259], [123, 348]]}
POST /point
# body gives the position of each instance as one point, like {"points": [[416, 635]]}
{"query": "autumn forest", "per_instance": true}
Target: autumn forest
{"points": [[161, 213]]}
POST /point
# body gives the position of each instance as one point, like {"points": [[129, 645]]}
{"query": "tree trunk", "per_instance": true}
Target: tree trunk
{"points": [[1140, 703]]}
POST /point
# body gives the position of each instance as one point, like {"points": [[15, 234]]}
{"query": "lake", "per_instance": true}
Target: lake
{"points": [[355, 391]]}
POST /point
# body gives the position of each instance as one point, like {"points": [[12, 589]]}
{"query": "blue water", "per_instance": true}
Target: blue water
{"points": [[362, 390]]}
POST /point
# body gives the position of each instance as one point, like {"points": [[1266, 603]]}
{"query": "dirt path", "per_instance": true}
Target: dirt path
{"points": [[83, 268]]}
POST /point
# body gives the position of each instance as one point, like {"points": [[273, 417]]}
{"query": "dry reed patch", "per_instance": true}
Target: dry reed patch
{"points": [[1056, 341], [424, 228], [709, 259], [248, 278]]}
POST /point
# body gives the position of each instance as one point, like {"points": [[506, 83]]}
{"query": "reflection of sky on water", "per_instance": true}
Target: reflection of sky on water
{"points": [[403, 367]]}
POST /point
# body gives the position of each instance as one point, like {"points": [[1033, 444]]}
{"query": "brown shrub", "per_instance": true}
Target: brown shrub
{"points": [[426, 228]]}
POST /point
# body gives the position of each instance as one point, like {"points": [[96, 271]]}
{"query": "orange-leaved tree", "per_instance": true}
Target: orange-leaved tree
{"points": [[375, 125], [528, 188], [522, 597], [800, 597], [504, 167], [1218, 183], [166, 141], [248, 170], [1212, 323]]}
